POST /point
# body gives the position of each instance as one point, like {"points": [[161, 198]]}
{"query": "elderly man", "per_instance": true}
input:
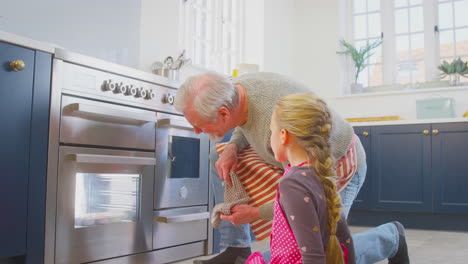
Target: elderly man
{"points": [[214, 105]]}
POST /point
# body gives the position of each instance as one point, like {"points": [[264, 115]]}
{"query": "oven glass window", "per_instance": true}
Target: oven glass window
{"points": [[184, 157], [106, 198]]}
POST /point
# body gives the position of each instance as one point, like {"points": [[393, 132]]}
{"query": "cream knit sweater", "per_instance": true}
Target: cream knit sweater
{"points": [[263, 91]]}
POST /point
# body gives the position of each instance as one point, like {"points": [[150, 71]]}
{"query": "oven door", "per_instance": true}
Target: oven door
{"points": [[104, 204], [182, 164]]}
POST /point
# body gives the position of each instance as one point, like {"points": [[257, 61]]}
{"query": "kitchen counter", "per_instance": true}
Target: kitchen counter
{"points": [[411, 122], [26, 42]]}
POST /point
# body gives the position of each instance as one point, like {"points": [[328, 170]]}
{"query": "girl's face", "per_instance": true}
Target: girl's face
{"points": [[277, 139]]}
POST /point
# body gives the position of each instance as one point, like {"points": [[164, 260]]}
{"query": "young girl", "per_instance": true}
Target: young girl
{"points": [[308, 226]]}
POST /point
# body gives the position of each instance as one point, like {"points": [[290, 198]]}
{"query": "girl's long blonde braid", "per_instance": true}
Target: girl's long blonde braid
{"points": [[308, 119]]}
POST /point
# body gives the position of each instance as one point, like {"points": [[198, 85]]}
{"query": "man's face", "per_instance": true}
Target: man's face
{"points": [[216, 130]]}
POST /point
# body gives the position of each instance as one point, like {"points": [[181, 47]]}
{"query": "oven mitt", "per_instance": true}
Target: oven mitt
{"points": [[233, 195]]}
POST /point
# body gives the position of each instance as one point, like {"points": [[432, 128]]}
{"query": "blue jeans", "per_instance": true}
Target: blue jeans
{"points": [[370, 246]]}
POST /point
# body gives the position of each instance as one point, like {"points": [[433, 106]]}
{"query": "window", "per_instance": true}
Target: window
{"points": [[213, 31], [417, 36], [453, 30]]}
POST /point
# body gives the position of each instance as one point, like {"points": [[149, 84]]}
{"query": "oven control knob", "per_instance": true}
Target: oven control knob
{"points": [[141, 93], [110, 86], [169, 99], [123, 89], [150, 95], [131, 91]]}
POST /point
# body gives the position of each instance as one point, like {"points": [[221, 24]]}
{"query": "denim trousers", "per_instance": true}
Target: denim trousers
{"points": [[370, 246]]}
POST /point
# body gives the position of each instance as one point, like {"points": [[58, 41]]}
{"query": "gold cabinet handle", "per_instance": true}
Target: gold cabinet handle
{"points": [[435, 132], [426, 132], [17, 65], [365, 133]]}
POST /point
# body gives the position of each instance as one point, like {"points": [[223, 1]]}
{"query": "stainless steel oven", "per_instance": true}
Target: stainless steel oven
{"points": [[182, 164], [104, 205], [127, 176]]}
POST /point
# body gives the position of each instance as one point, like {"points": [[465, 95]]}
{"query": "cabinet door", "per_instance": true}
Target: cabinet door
{"points": [[362, 200], [16, 88], [450, 167], [401, 158]]}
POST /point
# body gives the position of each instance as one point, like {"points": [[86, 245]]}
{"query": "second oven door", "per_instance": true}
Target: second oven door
{"points": [[182, 164], [104, 204]]}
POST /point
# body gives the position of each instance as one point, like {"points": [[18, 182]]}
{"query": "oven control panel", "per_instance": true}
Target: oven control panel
{"points": [[84, 81]]}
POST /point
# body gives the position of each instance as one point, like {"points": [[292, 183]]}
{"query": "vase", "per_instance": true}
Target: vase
{"points": [[357, 88], [454, 79]]}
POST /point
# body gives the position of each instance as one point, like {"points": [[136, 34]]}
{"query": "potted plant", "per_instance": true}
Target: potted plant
{"points": [[360, 57], [454, 70]]}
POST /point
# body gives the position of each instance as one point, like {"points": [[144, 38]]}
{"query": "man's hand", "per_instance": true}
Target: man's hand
{"points": [[242, 214], [227, 161]]}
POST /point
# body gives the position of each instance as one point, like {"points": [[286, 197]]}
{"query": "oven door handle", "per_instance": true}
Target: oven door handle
{"points": [[124, 116], [183, 218], [175, 123], [109, 159]]}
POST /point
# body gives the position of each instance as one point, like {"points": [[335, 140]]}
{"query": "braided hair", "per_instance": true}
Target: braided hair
{"points": [[308, 119]]}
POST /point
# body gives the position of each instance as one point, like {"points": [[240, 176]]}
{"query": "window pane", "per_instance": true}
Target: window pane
{"points": [[446, 43], [377, 55], [461, 13], [360, 27], [418, 73], [359, 6], [401, 21], [416, 19], [375, 75], [373, 5], [404, 70], [401, 3], [374, 25], [402, 47], [417, 46], [445, 16], [462, 41]]}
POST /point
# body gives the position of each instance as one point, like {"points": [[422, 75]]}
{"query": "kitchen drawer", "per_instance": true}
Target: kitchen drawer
{"points": [[88, 122], [180, 226]]}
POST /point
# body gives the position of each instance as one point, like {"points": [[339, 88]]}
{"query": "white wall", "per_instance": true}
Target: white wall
{"points": [[160, 26], [106, 29]]}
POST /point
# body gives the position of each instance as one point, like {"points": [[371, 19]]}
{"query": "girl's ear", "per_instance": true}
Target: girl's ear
{"points": [[284, 137]]}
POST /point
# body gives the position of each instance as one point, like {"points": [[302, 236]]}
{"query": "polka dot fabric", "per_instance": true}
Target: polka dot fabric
{"points": [[283, 244]]}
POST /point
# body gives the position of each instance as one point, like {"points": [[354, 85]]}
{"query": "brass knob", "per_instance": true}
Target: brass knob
{"points": [[17, 65], [426, 132], [365, 133], [435, 131]]}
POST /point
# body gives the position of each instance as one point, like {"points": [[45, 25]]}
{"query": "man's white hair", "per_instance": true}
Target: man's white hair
{"points": [[207, 92]]}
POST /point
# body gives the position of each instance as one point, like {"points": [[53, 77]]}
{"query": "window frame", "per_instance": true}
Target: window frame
{"points": [[389, 60], [222, 53]]}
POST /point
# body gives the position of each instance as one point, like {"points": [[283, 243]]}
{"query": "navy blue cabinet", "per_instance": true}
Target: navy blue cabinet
{"points": [[363, 199], [401, 162], [415, 168], [450, 167], [24, 108]]}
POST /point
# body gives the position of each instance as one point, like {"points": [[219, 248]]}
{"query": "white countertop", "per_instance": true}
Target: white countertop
{"points": [[26, 42], [411, 122]]}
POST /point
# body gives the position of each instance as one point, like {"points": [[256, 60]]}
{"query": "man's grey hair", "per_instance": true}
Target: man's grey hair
{"points": [[207, 93]]}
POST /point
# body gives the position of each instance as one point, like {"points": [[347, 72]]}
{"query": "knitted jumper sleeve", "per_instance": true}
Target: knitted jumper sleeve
{"points": [[239, 139]]}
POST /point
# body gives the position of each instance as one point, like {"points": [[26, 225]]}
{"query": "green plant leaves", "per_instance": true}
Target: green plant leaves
{"points": [[359, 56]]}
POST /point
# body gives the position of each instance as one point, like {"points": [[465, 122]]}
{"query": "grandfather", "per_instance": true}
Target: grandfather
{"points": [[213, 104]]}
